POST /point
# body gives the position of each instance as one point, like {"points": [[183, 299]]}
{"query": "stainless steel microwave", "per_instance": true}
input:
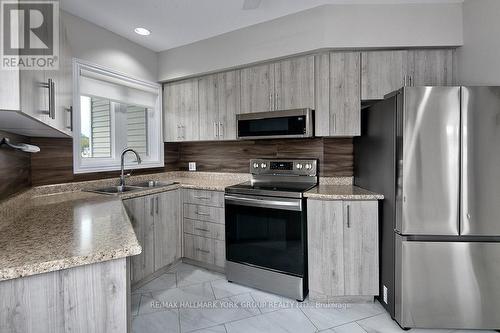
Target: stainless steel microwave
{"points": [[298, 123]]}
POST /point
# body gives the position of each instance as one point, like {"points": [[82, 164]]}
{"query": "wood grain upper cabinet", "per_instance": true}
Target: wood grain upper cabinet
{"points": [[180, 105], [382, 72], [208, 107], [257, 88], [431, 67], [294, 83], [27, 91], [342, 248], [361, 247], [219, 102], [228, 103], [337, 94]]}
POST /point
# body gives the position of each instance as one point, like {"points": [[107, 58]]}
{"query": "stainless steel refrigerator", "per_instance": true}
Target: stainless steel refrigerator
{"points": [[434, 152]]}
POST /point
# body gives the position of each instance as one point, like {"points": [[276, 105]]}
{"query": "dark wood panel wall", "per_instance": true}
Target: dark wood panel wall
{"points": [[14, 167], [335, 155], [54, 163]]}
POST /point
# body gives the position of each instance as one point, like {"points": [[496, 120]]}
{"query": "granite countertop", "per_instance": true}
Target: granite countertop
{"points": [[54, 227], [341, 192], [65, 230]]}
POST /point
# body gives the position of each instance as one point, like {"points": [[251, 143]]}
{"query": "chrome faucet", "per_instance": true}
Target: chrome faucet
{"points": [[125, 151]]}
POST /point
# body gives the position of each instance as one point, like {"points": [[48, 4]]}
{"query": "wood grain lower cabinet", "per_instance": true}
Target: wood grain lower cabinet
{"points": [[87, 298], [361, 271], [342, 248], [167, 229], [156, 220], [204, 232]]}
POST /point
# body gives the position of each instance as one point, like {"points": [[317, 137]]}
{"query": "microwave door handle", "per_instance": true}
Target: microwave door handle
{"points": [[295, 205]]}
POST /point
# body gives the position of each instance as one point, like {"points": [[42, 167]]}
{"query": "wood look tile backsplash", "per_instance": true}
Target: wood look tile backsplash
{"points": [[335, 155], [54, 163], [14, 167]]}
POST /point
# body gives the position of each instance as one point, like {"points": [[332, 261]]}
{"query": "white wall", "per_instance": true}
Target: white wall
{"points": [[100, 46], [329, 26], [479, 58]]}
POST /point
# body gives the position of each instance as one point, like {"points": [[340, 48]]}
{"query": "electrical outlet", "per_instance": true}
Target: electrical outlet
{"points": [[385, 294], [192, 166]]}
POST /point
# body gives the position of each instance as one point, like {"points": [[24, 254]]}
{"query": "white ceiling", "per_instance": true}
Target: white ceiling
{"points": [[179, 22]]}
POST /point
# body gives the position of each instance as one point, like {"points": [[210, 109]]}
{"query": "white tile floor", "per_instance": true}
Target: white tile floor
{"points": [[191, 299]]}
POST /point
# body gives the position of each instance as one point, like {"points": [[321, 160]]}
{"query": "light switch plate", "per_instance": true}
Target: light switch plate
{"points": [[192, 166], [385, 294]]}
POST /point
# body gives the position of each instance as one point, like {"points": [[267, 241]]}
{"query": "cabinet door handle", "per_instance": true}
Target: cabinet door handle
{"points": [[151, 206], [270, 101], [178, 132], [203, 198], [157, 206], [202, 214], [215, 130], [348, 216], [201, 229], [221, 130], [201, 250], [51, 86], [276, 101], [334, 123], [70, 111]]}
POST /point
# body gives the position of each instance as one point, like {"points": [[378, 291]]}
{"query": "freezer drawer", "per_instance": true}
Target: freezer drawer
{"points": [[447, 284]]}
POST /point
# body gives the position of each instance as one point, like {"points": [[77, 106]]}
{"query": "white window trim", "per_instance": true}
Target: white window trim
{"points": [[155, 133]]}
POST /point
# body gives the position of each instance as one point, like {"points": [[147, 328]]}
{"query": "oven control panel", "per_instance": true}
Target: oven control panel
{"points": [[282, 166]]}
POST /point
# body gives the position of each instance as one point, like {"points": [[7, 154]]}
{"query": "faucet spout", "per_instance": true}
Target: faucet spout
{"points": [[122, 163]]}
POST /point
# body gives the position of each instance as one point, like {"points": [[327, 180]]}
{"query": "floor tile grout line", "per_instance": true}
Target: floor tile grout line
{"points": [[256, 303], [316, 327], [353, 321], [212, 288]]}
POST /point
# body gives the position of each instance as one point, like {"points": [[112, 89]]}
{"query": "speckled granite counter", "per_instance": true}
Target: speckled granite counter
{"points": [[341, 192], [65, 230], [54, 227]]}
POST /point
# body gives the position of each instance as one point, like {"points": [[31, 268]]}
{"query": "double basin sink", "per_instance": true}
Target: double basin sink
{"points": [[115, 190]]}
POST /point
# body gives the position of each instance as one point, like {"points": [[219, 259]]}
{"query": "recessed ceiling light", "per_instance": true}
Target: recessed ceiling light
{"points": [[142, 31]]}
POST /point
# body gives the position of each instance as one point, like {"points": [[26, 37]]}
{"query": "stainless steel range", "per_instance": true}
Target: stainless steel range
{"points": [[266, 227]]}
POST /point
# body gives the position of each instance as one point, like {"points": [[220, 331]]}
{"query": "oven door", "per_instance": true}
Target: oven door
{"points": [[266, 232]]}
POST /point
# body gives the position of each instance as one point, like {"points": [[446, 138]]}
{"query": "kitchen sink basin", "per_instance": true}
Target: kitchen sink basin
{"points": [[153, 184], [114, 190], [117, 189]]}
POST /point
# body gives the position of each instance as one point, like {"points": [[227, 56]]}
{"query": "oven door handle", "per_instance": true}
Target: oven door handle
{"points": [[265, 202]]}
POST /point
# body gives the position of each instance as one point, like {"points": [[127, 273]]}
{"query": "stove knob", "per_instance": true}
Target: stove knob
{"points": [[263, 165], [308, 166], [299, 166], [256, 165]]}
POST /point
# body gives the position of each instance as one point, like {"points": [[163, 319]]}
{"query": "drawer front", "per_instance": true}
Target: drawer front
{"points": [[199, 248], [201, 197], [204, 229], [204, 213]]}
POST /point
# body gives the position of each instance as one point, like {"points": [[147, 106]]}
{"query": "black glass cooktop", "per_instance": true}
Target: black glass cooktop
{"points": [[271, 189]]}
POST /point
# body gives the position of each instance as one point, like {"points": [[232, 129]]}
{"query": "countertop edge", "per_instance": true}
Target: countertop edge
{"points": [[68, 263]]}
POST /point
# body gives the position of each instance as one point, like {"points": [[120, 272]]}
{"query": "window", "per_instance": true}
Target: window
{"points": [[114, 112]]}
